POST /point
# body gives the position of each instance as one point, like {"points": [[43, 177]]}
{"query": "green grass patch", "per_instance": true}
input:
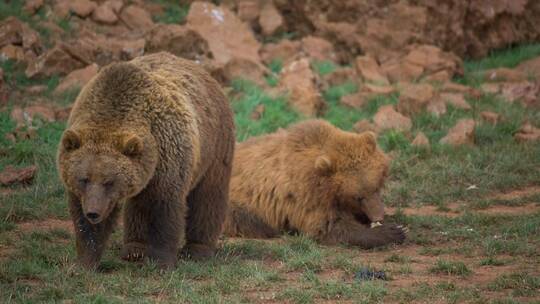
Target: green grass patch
{"points": [[324, 67], [173, 12], [521, 283]]}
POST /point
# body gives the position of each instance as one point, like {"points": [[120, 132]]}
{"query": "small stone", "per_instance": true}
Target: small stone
{"points": [[364, 125], [11, 175], [258, 112], [387, 118], [355, 101], [369, 70], [527, 133], [461, 134], [491, 117], [420, 140], [77, 78], [270, 19], [456, 100], [105, 14], [82, 8]]}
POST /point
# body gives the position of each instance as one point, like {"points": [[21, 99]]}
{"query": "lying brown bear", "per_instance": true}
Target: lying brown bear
{"points": [[156, 133], [315, 179]]}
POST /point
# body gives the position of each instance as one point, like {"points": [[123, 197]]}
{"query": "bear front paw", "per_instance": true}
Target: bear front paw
{"points": [[133, 252], [198, 252], [393, 234]]}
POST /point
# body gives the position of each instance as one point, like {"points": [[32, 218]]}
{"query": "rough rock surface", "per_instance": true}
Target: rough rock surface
{"points": [[387, 118], [460, 134], [298, 78]]}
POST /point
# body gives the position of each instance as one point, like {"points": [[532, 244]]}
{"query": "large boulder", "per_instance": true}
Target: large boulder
{"points": [[15, 32], [178, 40]]}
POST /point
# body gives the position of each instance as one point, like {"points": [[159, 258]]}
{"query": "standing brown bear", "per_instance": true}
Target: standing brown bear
{"points": [[155, 136], [315, 179]]}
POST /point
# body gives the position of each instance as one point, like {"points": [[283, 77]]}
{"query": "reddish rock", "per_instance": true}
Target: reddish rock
{"points": [[178, 40], [11, 175], [339, 76], [452, 87], [525, 91], [420, 140], [365, 126], [136, 18], [369, 70], [270, 19], [55, 61], [402, 71], [105, 13], [15, 32], [491, 117], [12, 52], [460, 134], [36, 89], [24, 117], [437, 107], [227, 36], [77, 78], [248, 10], [374, 89], [530, 68], [441, 77], [456, 100], [257, 112], [433, 60], [415, 98], [491, 88], [285, 50], [387, 118], [504, 74], [32, 6], [62, 114], [318, 49], [130, 49], [4, 92], [298, 78], [355, 101], [239, 68], [82, 8], [527, 133]]}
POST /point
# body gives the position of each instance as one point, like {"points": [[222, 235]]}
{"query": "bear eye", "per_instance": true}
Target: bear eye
{"points": [[108, 184], [84, 181]]}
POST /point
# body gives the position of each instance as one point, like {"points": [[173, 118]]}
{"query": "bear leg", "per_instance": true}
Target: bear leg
{"points": [[241, 222], [348, 231], [136, 222], [165, 226], [90, 239], [207, 205]]}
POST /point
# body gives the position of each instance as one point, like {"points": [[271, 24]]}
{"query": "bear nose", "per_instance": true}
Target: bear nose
{"points": [[92, 215]]}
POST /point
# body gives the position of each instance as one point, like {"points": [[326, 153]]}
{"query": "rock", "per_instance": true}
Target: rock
{"points": [[130, 49], [452, 87], [420, 140], [374, 89], [456, 100], [527, 133], [402, 71], [436, 107], [36, 89], [355, 101], [32, 6], [82, 8], [27, 115], [318, 49], [460, 134], [298, 78], [530, 68], [178, 40], [270, 19], [441, 77], [433, 60], [56, 61], [366, 274], [4, 92], [136, 18], [364, 125], [227, 36], [105, 13], [257, 112], [11, 175], [239, 68], [285, 51], [248, 10], [491, 117], [387, 118], [415, 98], [77, 78], [504, 74], [15, 32], [370, 71], [525, 91], [62, 114], [12, 52], [491, 88], [339, 76]]}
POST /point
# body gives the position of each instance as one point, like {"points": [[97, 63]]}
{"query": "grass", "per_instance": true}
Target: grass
{"points": [[38, 265], [173, 13]]}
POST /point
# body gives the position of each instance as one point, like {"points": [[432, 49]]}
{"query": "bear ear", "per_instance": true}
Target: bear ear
{"points": [[323, 165], [132, 145], [370, 140], [71, 140]]}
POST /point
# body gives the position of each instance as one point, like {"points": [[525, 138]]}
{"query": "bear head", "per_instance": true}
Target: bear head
{"points": [[103, 168]]}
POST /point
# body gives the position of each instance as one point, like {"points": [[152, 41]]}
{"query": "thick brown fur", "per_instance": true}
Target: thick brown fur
{"points": [[312, 178], [155, 136]]}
